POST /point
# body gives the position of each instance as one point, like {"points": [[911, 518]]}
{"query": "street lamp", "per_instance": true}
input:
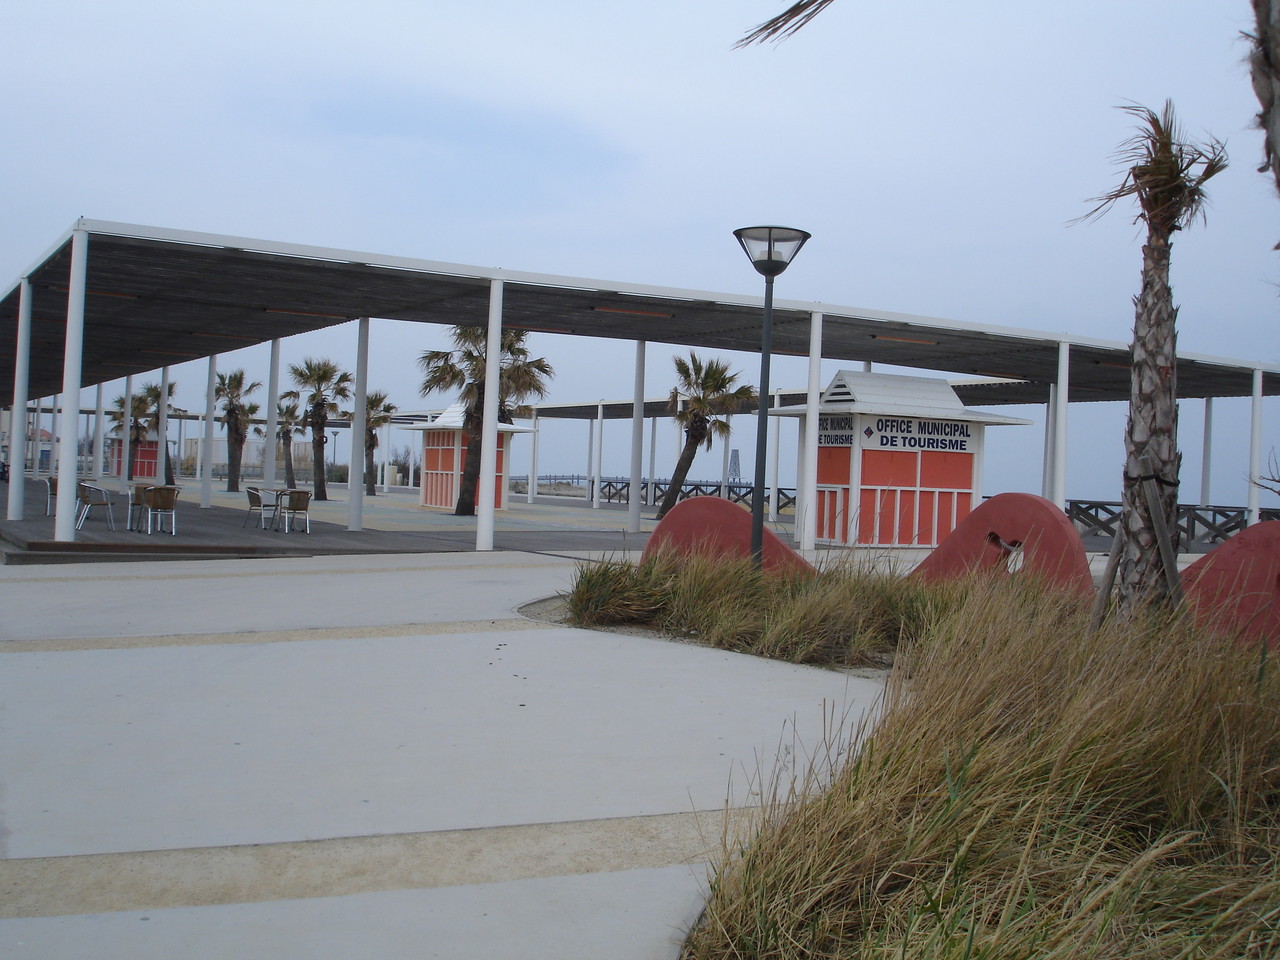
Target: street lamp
{"points": [[770, 250]]}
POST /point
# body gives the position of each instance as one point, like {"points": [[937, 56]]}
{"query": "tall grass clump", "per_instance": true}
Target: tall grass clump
{"points": [[1031, 788], [840, 616]]}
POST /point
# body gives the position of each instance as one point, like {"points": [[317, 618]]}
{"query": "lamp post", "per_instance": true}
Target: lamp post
{"points": [[770, 250]]}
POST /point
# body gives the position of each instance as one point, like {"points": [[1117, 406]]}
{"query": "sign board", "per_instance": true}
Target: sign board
{"points": [[912, 433]]}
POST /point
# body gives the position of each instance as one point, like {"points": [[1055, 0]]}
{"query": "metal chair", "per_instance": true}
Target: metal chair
{"points": [[88, 497], [256, 505], [297, 503], [51, 489], [162, 502]]}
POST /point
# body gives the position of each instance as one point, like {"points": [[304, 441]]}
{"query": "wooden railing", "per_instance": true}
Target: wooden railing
{"points": [[617, 489]]}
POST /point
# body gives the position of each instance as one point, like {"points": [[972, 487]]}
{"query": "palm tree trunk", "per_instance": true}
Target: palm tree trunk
{"points": [[235, 453], [370, 471], [289, 479], [1151, 438], [470, 476], [1264, 65], [318, 491], [683, 464]]}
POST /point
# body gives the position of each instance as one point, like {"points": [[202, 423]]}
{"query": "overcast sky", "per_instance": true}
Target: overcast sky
{"points": [[936, 151]]}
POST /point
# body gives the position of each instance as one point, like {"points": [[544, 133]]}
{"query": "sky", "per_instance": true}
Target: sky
{"points": [[938, 153]]}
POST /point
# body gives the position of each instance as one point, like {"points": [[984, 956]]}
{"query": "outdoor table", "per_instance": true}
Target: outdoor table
{"points": [[279, 493]]}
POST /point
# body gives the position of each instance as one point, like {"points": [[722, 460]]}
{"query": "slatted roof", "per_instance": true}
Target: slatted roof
{"points": [[158, 296]]}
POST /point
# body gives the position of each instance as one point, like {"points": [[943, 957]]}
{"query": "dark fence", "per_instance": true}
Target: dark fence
{"points": [[618, 489], [1196, 524]]}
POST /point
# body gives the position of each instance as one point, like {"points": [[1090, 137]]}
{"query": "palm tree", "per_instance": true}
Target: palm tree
{"points": [[321, 384], [138, 428], [1264, 68], [237, 416], [288, 424], [1167, 175], [151, 394], [378, 411], [522, 377], [702, 393]]}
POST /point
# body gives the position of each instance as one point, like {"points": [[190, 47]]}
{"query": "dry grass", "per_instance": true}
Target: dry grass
{"points": [[842, 616], [1031, 789]]}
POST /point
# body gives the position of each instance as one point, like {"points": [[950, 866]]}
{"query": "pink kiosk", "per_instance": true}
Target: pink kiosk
{"points": [[444, 451], [899, 459]]}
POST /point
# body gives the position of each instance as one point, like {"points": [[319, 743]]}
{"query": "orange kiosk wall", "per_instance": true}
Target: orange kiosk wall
{"points": [[899, 459]]}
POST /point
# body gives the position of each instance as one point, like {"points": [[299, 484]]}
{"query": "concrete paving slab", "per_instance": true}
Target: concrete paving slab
{"points": [[203, 746], [212, 596], [627, 915]]}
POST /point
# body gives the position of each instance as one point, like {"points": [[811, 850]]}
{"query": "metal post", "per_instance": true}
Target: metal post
{"points": [[273, 417], [99, 441], [637, 443], [774, 440], [21, 379], [1046, 464], [126, 434], [163, 475], [762, 427], [355, 472], [486, 488], [64, 523], [532, 490], [206, 474], [652, 498], [724, 460], [1060, 426], [1255, 447], [806, 519], [1206, 451], [597, 498]]}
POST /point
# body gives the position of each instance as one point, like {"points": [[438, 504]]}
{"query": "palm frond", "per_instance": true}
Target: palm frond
{"points": [[790, 20]]}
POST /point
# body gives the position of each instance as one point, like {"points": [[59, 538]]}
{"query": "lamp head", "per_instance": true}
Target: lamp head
{"points": [[771, 249]]}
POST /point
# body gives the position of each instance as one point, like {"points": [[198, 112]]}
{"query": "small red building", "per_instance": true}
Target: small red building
{"points": [[899, 459], [444, 453]]}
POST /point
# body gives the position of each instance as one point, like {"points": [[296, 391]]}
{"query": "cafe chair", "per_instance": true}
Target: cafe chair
{"points": [[257, 506], [161, 502], [51, 494], [297, 504], [88, 497]]}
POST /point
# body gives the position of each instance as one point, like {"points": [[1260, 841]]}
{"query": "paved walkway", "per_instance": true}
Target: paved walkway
{"points": [[365, 757]]}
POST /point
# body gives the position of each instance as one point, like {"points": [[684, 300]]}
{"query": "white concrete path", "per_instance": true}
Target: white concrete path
{"points": [[349, 757]]}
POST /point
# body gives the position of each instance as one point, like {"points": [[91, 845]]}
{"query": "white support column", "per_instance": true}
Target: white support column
{"points": [[1046, 463], [19, 419], [64, 522], [355, 472], [126, 434], [532, 491], [591, 454], [724, 460], [1255, 448], [1206, 454], [773, 459], [270, 450], [206, 470], [487, 487], [596, 497], [1060, 426], [637, 443], [55, 435], [806, 519], [99, 440], [162, 475], [652, 498]]}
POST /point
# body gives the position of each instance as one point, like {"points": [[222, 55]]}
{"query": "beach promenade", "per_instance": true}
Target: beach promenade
{"points": [[368, 756]]}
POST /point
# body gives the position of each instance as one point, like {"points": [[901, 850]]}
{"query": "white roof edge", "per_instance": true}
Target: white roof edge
{"points": [[966, 414], [114, 228]]}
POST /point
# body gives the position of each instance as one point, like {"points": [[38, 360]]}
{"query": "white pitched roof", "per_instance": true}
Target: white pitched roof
{"points": [[886, 394]]}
